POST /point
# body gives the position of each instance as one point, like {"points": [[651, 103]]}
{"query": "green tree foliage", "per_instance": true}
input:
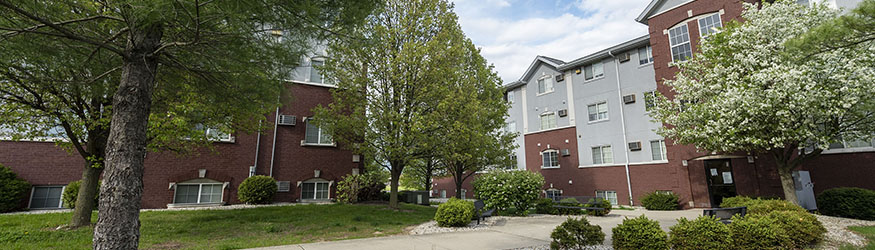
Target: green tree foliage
{"points": [[576, 234], [71, 194], [258, 189], [362, 187], [454, 213], [171, 59], [509, 192], [738, 93], [854, 31], [704, 232], [639, 233], [13, 190]]}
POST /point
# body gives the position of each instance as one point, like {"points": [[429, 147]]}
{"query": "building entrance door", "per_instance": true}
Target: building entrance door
{"points": [[721, 183]]}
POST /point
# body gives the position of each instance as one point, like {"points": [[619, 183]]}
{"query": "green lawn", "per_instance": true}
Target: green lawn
{"points": [[868, 232], [223, 229]]}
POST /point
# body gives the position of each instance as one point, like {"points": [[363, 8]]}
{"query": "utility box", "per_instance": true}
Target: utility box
{"points": [[415, 197]]}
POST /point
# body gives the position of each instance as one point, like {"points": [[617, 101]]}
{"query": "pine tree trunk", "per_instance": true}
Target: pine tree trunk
{"points": [[85, 198], [393, 187], [118, 224]]}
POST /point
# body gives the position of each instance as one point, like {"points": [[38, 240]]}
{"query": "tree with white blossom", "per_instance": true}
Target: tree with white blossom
{"points": [[744, 91]]}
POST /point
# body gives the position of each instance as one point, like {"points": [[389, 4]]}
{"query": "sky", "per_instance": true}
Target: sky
{"points": [[510, 33]]}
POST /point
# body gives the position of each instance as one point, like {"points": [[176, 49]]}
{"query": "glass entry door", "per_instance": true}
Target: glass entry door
{"points": [[721, 181]]}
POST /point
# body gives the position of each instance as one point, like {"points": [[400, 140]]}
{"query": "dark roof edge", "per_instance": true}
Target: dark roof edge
{"points": [[634, 43]]}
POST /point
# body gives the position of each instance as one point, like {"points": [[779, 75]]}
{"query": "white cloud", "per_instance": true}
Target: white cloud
{"points": [[512, 33]]}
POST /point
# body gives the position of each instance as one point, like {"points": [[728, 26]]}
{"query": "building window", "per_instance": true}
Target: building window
{"points": [[645, 55], [859, 143], [553, 194], [511, 127], [513, 162], [657, 150], [510, 96], [443, 193], [315, 72], [198, 192], [315, 135], [602, 155], [315, 189], [598, 111], [650, 100], [545, 85], [213, 134], [548, 120], [607, 195], [593, 71], [464, 193], [550, 159], [46, 197], [679, 39], [709, 25]]}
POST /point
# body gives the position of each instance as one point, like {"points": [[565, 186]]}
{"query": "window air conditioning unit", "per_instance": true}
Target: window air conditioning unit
{"points": [[560, 77], [283, 186], [623, 57], [635, 146], [565, 152], [563, 112], [627, 99], [287, 120]]}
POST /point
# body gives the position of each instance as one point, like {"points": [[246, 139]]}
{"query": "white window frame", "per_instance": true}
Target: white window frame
{"points": [[674, 43], [598, 112], [648, 55], [846, 149], [313, 67], [510, 97], [552, 119], [604, 195], [650, 100], [316, 189], [550, 151], [556, 193], [200, 190], [546, 80], [591, 68], [60, 199], [443, 193], [663, 153], [601, 155], [511, 127], [716, 25], [319, 141]]}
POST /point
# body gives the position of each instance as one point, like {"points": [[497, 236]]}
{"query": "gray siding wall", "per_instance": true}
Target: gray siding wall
{"points": [[515, 116], [547, 102]]}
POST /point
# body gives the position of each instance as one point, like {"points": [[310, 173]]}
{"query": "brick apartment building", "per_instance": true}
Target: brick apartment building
{"points": [[584, 124], [306, 163]]}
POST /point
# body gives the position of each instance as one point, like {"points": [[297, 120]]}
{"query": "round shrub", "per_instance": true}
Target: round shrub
{"points": [[12, 190], [847, 202], [258, 189], [602, 203], [802, 228], [758, 232], [545, 206], [660, 201], [704, 232], [569, 202], [760, 206], [71, 192], [509, 192], [576, 234], [737, 201], [454, 213], [639, 233]]}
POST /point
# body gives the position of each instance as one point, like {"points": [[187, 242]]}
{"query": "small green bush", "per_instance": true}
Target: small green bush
{"points": [[362, 187], [454, 213], [545, 206], [704, 232], [12, 190], [71, 192], [639, 233], [760, 206], [569, 202], [847, 202], [576, 234], [258, 189], [737, 201], [660, 201], [509, 192], [602, 203], [802, 228], [758, 232]]}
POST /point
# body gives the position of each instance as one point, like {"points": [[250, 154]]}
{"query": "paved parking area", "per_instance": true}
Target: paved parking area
{"points": [[509, 233]]}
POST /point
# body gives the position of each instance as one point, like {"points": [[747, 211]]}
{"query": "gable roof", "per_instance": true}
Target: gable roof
{"points": [[549, 61], [653, 7]]}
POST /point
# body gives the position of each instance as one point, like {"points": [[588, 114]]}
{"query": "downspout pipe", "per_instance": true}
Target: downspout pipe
{"points": [[257, 148], [623, 125], [273, 145]]}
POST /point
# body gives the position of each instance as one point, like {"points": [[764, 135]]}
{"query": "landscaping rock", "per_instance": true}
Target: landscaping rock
{"points": [[837, 233]]}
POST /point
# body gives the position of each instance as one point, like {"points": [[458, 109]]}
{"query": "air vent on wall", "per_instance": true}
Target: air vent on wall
{"points": [[627, 99], [623, 57], [563, 112], [635, 146], [283, 186], [287, 120], [565, 152], [560, 77]]}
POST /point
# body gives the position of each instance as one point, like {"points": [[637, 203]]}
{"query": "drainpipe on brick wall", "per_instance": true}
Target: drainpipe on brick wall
{"points": [[623, 125], [273, 145], [257, 148]]}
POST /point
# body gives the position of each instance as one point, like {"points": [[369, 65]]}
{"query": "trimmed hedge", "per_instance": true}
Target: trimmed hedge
{"points": [[660, 201], [569, 202], [454, 213], [702, 233], [12, 190], [258, 189], [576, 234], [603, 203], [71, 193], [758, 232], [737, 201], [545, 206], [639, 233], [847, 202], [760, 206], [802, 228], [509, 192]]}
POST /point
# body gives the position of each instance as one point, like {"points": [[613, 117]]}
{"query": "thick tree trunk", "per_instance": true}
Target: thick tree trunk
{"points": [[788, 185], [118, 224], [85, 198], [457, 178], [393, 187]]}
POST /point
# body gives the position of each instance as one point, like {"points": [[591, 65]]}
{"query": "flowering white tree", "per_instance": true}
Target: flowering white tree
{"points": [[743, 91]]}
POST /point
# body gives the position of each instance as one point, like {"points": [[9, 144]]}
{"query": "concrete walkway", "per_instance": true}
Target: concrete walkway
{"points": [[509, 233]]}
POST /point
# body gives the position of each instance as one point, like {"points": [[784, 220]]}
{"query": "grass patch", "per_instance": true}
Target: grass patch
{"points": [[623, 208], [223, 229], [868, 232]]}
